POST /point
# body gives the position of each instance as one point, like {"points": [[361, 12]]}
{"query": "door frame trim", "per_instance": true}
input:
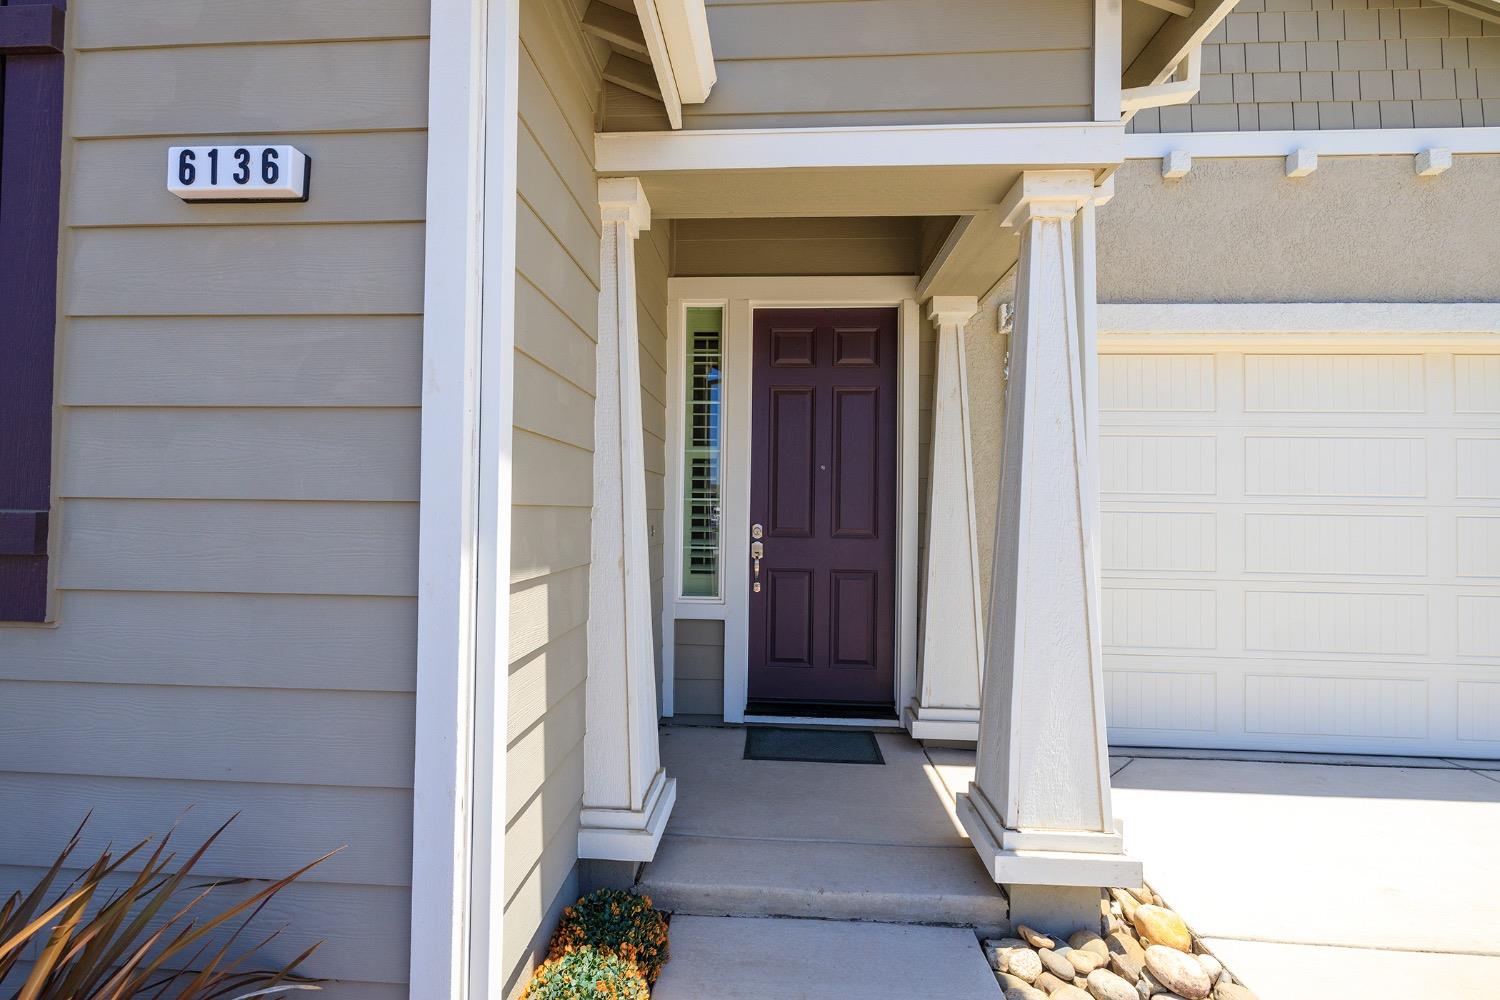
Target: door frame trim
{"points": [[739, 297]]}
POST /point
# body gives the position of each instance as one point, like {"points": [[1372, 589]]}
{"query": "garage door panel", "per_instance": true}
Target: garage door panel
{"points": [[1156, 382], [1307, 562], [1476, 383], [1478, 468], [1335, 466], [1334, 383], [1158, 464], [1479, 711], [1161, 700], [1283, 621], [1135, 540], [1384, 708], [1136, 617], [1337, 545], [1478, 625], [1478, 546]]}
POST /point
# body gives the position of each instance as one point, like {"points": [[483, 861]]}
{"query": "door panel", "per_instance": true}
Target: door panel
{"points": [[823, 487]]}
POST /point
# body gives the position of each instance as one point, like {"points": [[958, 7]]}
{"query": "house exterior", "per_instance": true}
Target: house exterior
{"points": [[1025, 375]]}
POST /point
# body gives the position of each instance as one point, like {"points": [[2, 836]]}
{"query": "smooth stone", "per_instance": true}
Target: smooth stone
{"points": [[1047, 981], [1147, 986], [1212, 966], [1024, 993], [1035, 938], [1023, 963], [1124, 944], [1090, 942], [1070, 993], [1057, 965], [1105, 985], [1158, 925], [1178, 972], [1127, 966], [1010, 982], [993, 955], [1084, 961], [1233, 991], [1142, 895]]}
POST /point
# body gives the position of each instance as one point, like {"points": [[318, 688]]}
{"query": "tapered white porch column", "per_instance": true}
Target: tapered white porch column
{"points": [[1038, 810], [947, 702], [627, 795]]}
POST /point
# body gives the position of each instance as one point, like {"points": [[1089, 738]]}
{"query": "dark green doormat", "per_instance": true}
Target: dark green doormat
{"points": [[818, 746]]}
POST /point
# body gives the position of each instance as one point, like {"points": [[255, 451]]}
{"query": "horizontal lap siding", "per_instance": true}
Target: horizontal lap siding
{"points": [[790, 63], [237, 470], [557, 285]]}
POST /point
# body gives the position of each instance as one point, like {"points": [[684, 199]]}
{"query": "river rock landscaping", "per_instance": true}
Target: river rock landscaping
{"points": [[1145, 950]]}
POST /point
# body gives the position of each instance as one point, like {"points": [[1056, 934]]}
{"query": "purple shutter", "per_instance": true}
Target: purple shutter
{"points": [[31, 113]]}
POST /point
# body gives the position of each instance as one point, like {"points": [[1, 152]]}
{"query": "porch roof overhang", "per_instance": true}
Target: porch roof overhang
{"points": [[877, 170]]}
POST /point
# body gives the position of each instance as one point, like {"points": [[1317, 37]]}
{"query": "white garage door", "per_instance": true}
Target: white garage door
{"points": [[1302, 552]]}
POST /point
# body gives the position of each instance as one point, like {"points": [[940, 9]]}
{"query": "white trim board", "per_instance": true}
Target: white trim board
{"points": [[1329, 142], [739, 297], [463, 593], [1431, 325], [1088, 144]]}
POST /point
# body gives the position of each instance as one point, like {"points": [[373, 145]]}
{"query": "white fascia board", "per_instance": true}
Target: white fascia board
{"points": [[1332, 142], [1430, 323], [1027, 145], [684, 25]]}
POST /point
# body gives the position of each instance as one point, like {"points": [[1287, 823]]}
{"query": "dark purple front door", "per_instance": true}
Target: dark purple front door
{"points": [[823, 490]]}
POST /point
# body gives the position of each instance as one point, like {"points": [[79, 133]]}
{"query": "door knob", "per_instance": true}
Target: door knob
{"points": [[757, 552]]}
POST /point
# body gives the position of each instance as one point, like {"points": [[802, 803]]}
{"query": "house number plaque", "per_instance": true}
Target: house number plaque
{"points": [[238, 173]]}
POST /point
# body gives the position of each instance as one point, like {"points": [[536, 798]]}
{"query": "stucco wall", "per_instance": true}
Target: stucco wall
{"points": [[1359, 229]]}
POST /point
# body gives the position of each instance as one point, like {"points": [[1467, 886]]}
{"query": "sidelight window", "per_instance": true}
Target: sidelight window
{"points": [[702, 429]]}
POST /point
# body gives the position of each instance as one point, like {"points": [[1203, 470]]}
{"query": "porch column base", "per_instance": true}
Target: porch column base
{"points": [[630, 834], [1046, 857], [956, 725]]}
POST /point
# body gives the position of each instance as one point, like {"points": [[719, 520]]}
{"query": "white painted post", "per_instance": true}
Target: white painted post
{"points": [[947, 702], [1039, 809], [627, 795]]}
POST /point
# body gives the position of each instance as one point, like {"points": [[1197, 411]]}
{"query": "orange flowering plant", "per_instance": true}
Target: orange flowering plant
{"points": [[617, 922], [587, 974]]}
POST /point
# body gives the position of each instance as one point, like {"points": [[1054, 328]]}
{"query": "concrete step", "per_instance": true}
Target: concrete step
{"points": [[737, 958], [723, 876]]}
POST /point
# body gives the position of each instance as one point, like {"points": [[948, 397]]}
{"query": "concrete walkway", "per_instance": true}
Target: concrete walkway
{"points": [[749, 958], [1315, 876]]}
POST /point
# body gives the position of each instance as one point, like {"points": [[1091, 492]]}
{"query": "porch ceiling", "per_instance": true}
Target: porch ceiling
{"points": [[917, 170], [827, 192]]}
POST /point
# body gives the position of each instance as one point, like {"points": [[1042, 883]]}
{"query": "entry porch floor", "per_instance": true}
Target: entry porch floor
{"points": [[1310, 875], [764, 838]]}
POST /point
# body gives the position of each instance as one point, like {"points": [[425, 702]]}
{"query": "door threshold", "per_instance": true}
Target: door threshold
{"points": [[823, 722]]}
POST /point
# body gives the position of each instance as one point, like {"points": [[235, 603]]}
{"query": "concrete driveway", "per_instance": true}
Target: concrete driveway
{"points": [[1316, 876]]}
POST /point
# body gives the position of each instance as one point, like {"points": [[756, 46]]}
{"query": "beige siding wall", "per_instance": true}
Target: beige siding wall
{"points": [[237, 467], [1339, 64], [1362, 228], [758, 247], [698, 665], [793, 63], [557, 284]]}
